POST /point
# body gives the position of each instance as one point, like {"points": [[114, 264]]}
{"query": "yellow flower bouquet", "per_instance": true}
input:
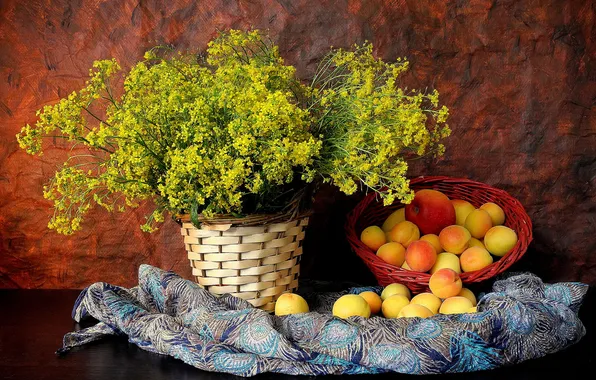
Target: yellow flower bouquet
{"points": [[234, 133], [214, 135]]}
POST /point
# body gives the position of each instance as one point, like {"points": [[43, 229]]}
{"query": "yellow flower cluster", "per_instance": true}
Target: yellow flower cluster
{"points": [[232, 132], [370, 125]]}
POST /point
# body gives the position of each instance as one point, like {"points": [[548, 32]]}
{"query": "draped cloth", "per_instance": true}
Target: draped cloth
{"points": [[521, 318]]}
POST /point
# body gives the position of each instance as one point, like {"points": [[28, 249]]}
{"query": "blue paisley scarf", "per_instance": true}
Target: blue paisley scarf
{"points": [[521, 319]]}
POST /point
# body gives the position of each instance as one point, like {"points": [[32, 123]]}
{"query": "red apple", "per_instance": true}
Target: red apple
{"points": [[431, 211]]}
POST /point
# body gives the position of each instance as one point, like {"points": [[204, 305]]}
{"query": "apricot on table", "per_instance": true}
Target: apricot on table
{"points": [[290, 303], [392, 305], [455, 305], [445, 283], [465, 292], [428, 300], [395, 288], [373, 300], [351, 305], [415, 310]]}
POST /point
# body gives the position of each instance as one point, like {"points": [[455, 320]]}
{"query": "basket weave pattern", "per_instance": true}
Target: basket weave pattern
{"points": [[370, 211], [255, 263]]}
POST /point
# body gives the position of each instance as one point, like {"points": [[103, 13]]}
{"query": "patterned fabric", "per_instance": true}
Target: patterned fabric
{"points": [[521, 319]]}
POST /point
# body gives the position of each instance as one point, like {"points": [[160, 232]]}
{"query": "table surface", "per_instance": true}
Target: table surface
{"points": [[32, 323]]}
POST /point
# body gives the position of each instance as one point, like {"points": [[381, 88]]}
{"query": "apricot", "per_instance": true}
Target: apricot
{"points": [[395, 288], [465, 292], [446, 260], [411, 311], [404, 233], [495, 211], [462, 210], [434, 240], [373, 237], [445, 283], [472, 310], [499, 240], [393, 305], [428, 300], [454, 239], [405, 266], [351, 305], [392, 253], [421, 256], [478, 222], [476, 243], [290, 303], [455, 305], [396, 216], [475, 258], [373, 300]]}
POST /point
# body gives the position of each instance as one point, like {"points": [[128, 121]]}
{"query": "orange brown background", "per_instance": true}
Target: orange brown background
{"points": [[518, 76]]}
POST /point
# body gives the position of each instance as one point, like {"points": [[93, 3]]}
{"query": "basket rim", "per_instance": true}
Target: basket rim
{"points": [[291, 211], [420, 279], [246, 221]]}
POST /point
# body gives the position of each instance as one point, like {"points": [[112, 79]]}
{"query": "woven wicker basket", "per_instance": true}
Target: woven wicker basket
{"points": [[255, 258], [370, 211]]}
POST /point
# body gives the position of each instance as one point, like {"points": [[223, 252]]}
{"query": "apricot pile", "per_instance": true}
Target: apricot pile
{"points": [[446, 296]]}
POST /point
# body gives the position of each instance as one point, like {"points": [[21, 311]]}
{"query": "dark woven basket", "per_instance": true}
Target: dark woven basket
{"points": [[370, 211]]}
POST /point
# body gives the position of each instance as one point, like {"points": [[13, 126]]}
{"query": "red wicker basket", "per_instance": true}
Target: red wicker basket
{"points": [[370, 211]]}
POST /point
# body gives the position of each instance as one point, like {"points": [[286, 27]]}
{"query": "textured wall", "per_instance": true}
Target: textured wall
{"points": [[518, 76]]}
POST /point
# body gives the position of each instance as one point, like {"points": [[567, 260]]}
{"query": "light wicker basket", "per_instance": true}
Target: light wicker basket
{"points": [[257, 263]]}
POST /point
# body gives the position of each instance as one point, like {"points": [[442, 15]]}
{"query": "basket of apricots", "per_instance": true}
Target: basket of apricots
{"points": [[475, 230]]}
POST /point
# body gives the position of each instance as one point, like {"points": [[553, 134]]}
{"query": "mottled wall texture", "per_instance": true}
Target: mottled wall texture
{"points": [[518, 76]]}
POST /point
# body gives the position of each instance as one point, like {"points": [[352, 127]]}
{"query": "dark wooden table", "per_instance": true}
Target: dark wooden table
{"points": [[32, 323]]}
